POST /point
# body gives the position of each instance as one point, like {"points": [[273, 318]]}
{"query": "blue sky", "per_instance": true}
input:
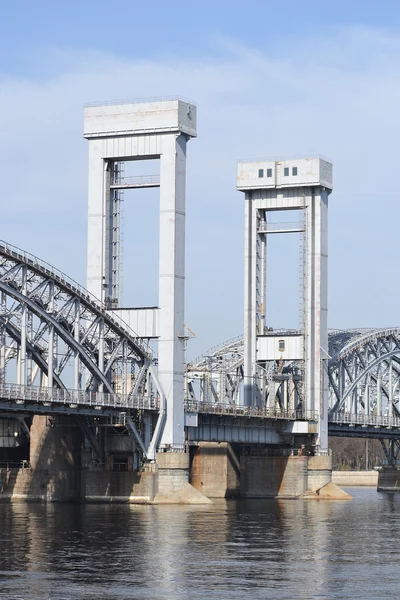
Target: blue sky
{"points": [[132, 28], [270, 79]]}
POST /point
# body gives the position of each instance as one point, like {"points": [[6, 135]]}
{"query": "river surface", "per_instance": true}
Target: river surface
{"points": [[254, 549]]}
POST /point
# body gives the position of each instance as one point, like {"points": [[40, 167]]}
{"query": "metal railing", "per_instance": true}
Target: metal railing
{"points": [[238, 410], [74, 398], [364, 420], [136, 181], [294, 226], [284, 158], [137, 101], [213, 351]]}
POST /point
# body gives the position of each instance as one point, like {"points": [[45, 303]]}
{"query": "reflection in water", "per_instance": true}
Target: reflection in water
{"points": [[238, 549]]}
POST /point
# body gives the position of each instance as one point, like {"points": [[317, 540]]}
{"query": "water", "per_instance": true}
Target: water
{"points": [[255, 549]]}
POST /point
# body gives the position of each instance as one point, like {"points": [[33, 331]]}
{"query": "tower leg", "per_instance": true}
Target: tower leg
{"points": [[172, 287]]}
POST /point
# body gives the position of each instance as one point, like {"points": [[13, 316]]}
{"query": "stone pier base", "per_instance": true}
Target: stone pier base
{"points": [[55, 459], [319, 472], [215, 470], [173, 471], [389, 479], [218, 471], [173, 480], [273, 476]]}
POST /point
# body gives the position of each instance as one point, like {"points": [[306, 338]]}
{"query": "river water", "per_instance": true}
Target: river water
{"points": [[254, 549]]}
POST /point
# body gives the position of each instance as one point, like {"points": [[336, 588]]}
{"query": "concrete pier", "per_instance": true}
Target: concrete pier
{"points": [[389, 479], [215, 469], [219, 471], [173, 471]]}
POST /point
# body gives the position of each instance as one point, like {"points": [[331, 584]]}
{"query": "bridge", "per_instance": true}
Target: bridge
{"points": [[111, 380], [54, 333]]}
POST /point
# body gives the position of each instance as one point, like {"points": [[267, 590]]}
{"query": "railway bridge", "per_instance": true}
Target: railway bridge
{"points": [[96, 401], [67, 362]]}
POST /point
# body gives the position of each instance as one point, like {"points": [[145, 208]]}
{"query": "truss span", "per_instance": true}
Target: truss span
{"points": [[53, 333], [364, 377]]}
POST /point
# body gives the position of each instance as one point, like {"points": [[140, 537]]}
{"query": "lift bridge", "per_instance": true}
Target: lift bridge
{"points": [[61, 352], [67, 350]]}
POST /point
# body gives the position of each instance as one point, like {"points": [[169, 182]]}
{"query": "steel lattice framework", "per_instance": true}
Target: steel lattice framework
{"points": [[61, 350], [55, 335], [363, 368], [218, 376], [364, 375]]}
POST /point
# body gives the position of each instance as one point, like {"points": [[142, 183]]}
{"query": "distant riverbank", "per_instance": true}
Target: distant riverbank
{"points": [[362, 478]]}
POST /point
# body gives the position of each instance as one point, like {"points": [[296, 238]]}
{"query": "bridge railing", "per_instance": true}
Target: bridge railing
{"points": [[364, 420], [74, 398], [136, 180], [238, 410]]}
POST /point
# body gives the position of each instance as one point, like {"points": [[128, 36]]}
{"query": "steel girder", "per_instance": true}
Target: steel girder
{"points": [[364, 375], [61, 323], [54, 334], [217, 377]]}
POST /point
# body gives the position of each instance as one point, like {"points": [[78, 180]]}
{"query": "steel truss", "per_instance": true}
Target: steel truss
{"points": [[218, 377], [364, 377], [55, 335]]}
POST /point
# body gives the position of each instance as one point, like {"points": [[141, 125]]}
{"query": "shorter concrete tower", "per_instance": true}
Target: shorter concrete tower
{"points": [[301, 185]]}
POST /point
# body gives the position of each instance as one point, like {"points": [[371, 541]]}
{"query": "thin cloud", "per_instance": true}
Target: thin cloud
{"points": [[336, 95]]}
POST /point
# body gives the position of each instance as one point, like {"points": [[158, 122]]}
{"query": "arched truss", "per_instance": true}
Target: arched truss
{"points": [[364, 375], [54, 333], [217, 376]]}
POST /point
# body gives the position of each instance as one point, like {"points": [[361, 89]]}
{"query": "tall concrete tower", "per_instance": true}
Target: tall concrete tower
{"points": [[299, 185], [139, 131]]}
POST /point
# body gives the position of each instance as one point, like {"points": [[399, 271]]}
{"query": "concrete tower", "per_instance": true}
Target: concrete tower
{"points": [[138, 131], [302, 185]]}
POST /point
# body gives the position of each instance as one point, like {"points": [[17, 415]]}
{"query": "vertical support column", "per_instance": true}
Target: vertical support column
{"points": [[3, 340], [101, 351], [379, 394], [367, 396], [316, 330], [252, 282], [98, 176], [50, 351], [263, 278], [24, 325], [172, 286], [77, 383]]}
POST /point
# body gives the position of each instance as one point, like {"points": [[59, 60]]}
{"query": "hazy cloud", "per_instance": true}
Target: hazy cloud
{"points": [[337, 96]]}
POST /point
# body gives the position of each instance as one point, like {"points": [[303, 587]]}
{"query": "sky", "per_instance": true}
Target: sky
{"points": [[269, 79]]}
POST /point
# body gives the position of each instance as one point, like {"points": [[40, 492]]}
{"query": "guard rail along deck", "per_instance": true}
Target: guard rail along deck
{"points": [[238, 410], [364, 420], [73, 398]]}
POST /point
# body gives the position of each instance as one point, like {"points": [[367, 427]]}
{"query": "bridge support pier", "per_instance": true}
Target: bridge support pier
{"points": [[215, 469], [389, 479], [55, 458], [222, 470], [173, 471]]}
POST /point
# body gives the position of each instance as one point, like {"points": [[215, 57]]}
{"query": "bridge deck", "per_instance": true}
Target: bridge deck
{"points": [[16, 398]]}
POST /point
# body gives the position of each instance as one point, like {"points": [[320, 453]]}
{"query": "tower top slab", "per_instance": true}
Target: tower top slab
{"points": [[140, 118], [270, 174]]}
